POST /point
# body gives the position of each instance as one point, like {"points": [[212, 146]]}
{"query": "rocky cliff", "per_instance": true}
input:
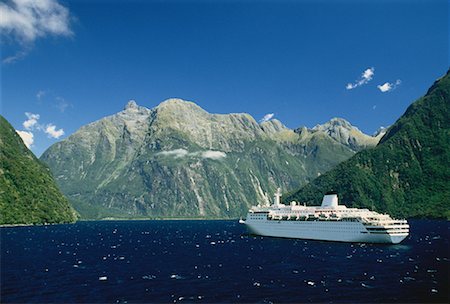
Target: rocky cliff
{"points": [[177, 160]]}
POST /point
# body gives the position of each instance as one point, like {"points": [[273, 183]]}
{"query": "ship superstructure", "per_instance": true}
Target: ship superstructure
{"points": [[328, 222]]}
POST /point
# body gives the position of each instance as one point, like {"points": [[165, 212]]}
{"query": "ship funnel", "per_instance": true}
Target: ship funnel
{"points": [[277, 197], [330, 200]]}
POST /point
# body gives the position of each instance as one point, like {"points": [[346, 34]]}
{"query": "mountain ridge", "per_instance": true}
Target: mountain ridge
{"points": [[407, 173], [183, 157]]}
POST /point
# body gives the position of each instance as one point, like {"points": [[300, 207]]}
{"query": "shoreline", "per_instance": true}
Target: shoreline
{"points": [[166, 219], [17, 225], [160, 219], [121, 219], [31, 225]]}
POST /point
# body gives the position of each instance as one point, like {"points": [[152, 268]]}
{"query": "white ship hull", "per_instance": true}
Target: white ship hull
{"points": [[328, 222], [322, 230]]}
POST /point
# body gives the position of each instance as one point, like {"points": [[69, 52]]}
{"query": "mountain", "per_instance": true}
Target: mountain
{"points": [[177, 160], [407, 174], [343, 132], [28, 193]]}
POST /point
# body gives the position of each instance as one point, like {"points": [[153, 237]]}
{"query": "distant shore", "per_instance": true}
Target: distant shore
{"points": [[161, 219], [16, 225], [111, 219], [30, 225]]}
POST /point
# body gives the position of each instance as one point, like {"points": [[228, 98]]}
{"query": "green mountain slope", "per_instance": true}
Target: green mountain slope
{"points": [[28, 193], [177, 160], [408, 173]]}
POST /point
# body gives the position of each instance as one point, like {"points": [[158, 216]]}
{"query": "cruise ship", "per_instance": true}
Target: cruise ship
{"points": [[328, 222]]}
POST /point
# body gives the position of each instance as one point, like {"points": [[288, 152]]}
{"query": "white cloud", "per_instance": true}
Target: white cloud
{"points": [[16, 57], [267, 117], [32, 120], [40, 94], [50, 129], [366, 76], [28, 20], [213, 154], [387, 86], [32, 123], [177, 153], [62, 104], [27, 137]]}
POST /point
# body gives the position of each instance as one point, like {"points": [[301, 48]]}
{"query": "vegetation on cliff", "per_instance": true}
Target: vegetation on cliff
{"points": [[28, 193], [407, 174]]}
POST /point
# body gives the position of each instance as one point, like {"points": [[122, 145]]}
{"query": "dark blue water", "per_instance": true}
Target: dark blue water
{"points": [[216, 261]]}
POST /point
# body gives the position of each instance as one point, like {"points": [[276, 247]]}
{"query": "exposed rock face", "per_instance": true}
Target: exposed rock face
{"points": [[407, 174], [28, 193], [179, 160], [342, 131]]}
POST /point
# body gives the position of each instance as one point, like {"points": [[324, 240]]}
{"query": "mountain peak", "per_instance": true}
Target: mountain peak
{"points": [[131, 105], [344, 132], [170, 155], [180, 109], [176, 102], [272, 126], [335, 123]]}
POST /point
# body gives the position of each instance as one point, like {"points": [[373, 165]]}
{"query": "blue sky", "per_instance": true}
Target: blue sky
{"points": [[83, 60]]}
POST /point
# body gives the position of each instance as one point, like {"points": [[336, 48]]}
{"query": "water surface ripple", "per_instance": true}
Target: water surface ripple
{"points": [[215, 261]]}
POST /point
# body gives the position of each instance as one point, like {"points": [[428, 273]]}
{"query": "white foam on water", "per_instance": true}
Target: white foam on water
{"points": [[176, 277]]}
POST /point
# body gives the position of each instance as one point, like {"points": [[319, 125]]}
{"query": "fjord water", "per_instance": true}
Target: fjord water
{"points": [[215, 261]]}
